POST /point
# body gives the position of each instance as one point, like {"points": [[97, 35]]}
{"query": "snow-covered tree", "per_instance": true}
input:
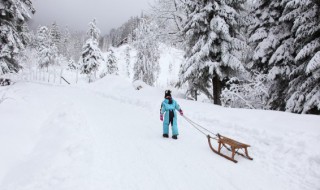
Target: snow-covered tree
{"points": [[213, 44], [91, 57], [47, 50], [26, 34], [112, 66], [72, 65], [94, 31], [304, 88], [146, 67], [55, 35], [169, 16], [13, 15], [128, 58], [266, 33], [62, 61], [170, 68], [272, 44], [251, 94]]}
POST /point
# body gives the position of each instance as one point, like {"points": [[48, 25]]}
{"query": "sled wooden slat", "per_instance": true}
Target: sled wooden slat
{"points": [[231, 142], [231, 145]]}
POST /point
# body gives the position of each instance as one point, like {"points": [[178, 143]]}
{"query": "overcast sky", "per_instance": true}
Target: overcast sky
{"points": [[78, 13]]}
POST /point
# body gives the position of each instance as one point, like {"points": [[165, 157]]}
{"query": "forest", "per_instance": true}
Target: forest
{"points": [[237, 53]]}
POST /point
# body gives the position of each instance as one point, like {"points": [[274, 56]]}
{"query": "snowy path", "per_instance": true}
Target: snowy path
{"points": [[105, 138]]}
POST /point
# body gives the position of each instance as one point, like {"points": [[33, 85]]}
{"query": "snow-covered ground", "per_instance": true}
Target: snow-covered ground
{"points": [[107, 135]]}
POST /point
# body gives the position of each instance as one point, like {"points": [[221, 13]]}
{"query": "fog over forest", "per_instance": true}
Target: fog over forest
{"points": [[77, 13]]}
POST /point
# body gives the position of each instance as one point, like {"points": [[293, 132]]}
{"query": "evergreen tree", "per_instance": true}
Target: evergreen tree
{"points": [[91, 57], [13, 15], [213, 44], [55, 35], [112, 67], [26, 35], [72, 65], [266, 33], [271, 41], [128, 58], [47, 51], [146, 67], [94, 31], [304, 88]]}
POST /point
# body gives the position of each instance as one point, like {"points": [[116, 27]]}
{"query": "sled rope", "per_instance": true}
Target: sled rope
{"points": [[199, 127]]}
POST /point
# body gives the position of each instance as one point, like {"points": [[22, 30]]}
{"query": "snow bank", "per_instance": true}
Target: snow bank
{"points": [[107, 135]]}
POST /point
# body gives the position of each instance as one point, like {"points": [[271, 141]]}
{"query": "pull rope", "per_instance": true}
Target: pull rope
{"points": [[200, 128]]}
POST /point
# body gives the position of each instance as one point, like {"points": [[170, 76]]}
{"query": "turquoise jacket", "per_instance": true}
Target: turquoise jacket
{"points": [[165, 108]]}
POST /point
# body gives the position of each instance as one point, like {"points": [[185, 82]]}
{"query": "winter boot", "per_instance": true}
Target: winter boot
{"points": [[165, 135], [175, 136]]}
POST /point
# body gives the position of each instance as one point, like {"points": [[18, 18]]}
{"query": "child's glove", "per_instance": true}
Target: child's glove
{"points": [[181, 112], [161, 117]]}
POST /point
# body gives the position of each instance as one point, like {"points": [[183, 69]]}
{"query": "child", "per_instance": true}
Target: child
{"points": [[168, 108]]}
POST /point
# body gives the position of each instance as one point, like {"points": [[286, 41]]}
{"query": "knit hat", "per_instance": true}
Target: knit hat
{"points": [[167, 93]]}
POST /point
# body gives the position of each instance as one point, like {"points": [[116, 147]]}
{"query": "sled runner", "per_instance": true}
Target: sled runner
{"points": [[231, 145], [223, 142]]}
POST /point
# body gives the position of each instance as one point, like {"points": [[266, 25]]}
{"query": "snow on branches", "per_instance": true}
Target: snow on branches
{"points": [[146, 67], [91, 57], [252, 94], [14, 15], [111, 67], [94, 31], [303, 90], [213, 44], [47, 50]]}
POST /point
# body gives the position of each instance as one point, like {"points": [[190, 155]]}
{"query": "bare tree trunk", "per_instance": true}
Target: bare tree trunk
{"points": [[216, 83], [48, 73], [61, 72], [90, 76], [77, 75], [43, 75], [54, 75]]}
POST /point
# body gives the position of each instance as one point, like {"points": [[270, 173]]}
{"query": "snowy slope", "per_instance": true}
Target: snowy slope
{"points": [[108, 136]]}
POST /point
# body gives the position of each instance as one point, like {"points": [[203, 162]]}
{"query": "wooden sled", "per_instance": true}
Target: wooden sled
{"points": [[231, 145]]}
